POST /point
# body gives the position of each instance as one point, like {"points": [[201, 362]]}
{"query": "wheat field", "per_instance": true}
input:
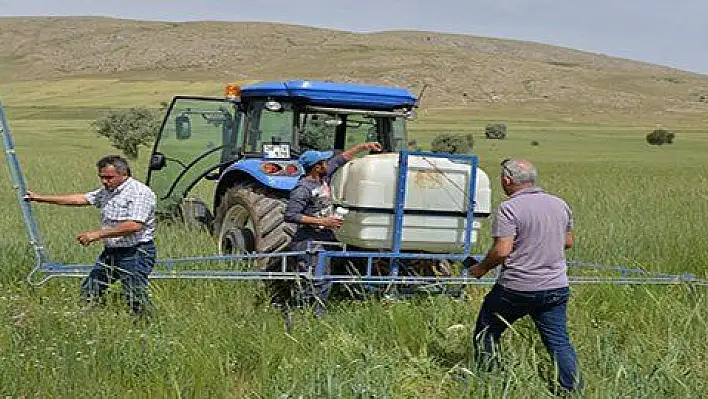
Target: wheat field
{"points": [[634, 205]]}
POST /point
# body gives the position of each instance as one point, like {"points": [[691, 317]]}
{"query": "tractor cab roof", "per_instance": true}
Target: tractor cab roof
{"points": [[334, 94]]}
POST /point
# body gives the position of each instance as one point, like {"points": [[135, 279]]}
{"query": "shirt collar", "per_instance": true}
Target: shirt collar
{"points": [[530, 190]]}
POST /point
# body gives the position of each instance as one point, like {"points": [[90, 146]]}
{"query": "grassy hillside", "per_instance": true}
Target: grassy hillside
{"points": [[477, 74]]}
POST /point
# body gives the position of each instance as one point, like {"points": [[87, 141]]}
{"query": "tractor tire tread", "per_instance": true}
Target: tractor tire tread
{"points": [[266, 208]]}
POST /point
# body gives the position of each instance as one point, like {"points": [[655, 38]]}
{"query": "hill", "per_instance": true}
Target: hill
{"points": [[460, 71]]}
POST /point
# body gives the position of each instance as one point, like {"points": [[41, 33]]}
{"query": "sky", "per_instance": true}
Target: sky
{"points": [[672, 33]]}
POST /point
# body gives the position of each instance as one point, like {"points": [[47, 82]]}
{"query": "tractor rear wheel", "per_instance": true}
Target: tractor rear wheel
{"points": [[250, 219]]}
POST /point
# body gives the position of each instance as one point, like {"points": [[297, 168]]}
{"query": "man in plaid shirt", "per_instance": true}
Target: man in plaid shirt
{"points": [[127, 230]]}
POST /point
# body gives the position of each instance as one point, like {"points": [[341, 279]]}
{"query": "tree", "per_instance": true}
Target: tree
{"points": [[495, 131], [128, 129], [660, 136], [452, 143]]}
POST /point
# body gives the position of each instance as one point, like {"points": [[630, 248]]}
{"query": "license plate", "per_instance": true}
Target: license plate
{"points": [[276, 151]]}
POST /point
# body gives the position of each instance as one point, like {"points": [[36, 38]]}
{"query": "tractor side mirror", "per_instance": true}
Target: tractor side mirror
{"points": [[183, 127], [157, 161]]}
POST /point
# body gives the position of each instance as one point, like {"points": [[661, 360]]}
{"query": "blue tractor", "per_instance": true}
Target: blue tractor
{"points": [[249, 141]]}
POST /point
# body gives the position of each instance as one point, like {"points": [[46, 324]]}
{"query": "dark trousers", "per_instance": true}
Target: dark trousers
{"points": [[503, 306], [131, 266], [315, 290]]}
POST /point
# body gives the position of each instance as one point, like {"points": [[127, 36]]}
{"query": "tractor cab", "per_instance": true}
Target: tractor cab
{"points": [[248, 143]]}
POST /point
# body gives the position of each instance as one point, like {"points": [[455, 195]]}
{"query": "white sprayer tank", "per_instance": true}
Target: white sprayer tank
{"points": [[436, 193]]}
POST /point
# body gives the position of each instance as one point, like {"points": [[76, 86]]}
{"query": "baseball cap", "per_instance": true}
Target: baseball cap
{"points": [[310, 158]]}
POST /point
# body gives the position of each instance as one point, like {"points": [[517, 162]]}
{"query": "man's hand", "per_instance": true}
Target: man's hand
{"points": [[371, 146], [478, 271], [30, 196], [500, 250], [88, 237], [331, 222]]}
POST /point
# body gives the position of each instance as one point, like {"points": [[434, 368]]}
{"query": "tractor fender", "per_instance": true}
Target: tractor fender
{"points": [[249, 170]]}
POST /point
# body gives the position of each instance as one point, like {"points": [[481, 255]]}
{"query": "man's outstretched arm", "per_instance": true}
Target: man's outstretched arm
{"points": [[76, 199]]}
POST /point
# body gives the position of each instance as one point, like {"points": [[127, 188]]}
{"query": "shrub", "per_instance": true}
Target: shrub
{"points": [[128, 129], [452, 143], [535, 143], [495, 131], [660, 136]]}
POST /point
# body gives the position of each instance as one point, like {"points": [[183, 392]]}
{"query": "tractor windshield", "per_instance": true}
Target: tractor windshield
{"points": [[306, 128], [268, 124], [326, 131]]}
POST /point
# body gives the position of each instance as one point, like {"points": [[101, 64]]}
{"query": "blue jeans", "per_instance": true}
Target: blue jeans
{"points": [[503, 306], [131, 266]]}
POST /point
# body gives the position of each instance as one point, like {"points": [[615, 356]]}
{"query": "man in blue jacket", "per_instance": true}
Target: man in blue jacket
{"points": [[310, 204]]}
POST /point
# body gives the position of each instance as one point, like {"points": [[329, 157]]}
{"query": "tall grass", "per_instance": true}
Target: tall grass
{"points": [[634, 205]]}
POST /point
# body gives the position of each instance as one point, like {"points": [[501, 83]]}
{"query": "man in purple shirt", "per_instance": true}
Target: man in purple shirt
{"points": [[531, 230]]}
